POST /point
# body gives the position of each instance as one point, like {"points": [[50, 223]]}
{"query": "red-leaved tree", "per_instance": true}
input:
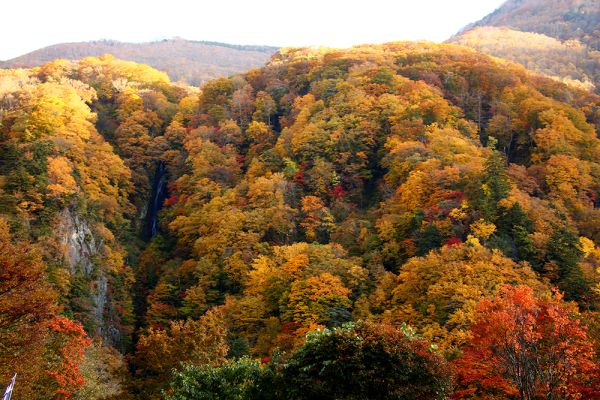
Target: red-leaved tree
{"points": [[527, 347], [68, 345]]}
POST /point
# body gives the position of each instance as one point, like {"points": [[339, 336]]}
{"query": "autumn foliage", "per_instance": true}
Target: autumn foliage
{"points": [[403, 185], [201, 342], [68, 341], [27, 305], [528, 347]]}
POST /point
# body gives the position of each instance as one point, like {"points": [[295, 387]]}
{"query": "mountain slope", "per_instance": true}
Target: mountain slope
{"points": [[341, 184], [558, 38], [570, 61], [190, 61], [397, 184], [561, 19]]}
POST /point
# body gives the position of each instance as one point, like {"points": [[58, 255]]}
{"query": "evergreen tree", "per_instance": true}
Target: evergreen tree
{"points": [[563, 250], [495, 184]]}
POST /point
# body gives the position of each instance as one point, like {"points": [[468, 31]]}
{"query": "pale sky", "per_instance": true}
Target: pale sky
{"points": [[31, 24]]}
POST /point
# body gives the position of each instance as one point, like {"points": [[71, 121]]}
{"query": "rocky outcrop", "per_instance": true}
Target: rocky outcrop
{"points": [[82, 255], [78, 241]]}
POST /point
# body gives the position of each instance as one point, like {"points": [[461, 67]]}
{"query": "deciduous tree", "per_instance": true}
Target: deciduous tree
{"points": [[526, 346]]}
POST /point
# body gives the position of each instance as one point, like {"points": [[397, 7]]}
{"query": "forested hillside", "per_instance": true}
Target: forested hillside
{"points": [[189, 61], [560, 39], [570, 61], [294, 231], [561, 19], [79, 146]]}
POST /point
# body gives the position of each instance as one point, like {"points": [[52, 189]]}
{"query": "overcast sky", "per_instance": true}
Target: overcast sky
{"points": [[30, 24]]}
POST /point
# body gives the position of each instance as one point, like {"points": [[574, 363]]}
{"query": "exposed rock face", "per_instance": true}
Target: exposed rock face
{"points": [[79, 242], [100, 297], [81, 253]]}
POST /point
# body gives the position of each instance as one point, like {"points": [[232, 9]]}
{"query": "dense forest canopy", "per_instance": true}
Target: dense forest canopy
{"points": [[409, 204]]}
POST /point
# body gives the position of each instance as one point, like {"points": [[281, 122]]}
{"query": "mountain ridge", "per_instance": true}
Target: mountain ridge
{"points": [[561, 42], [385, 221], [567, 19], [188, 60]]}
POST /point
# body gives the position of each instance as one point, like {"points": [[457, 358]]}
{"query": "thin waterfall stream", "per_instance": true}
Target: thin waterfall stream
{"points": [[158, 196]]}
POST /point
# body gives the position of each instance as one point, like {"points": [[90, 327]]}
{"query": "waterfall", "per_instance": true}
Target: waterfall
{"points": [[158, 196]]}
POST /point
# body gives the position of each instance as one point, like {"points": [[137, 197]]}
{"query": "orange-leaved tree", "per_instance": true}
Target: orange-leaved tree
{"points": [[160, 351], [527, 347], [68, 343], [27, 303]]}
